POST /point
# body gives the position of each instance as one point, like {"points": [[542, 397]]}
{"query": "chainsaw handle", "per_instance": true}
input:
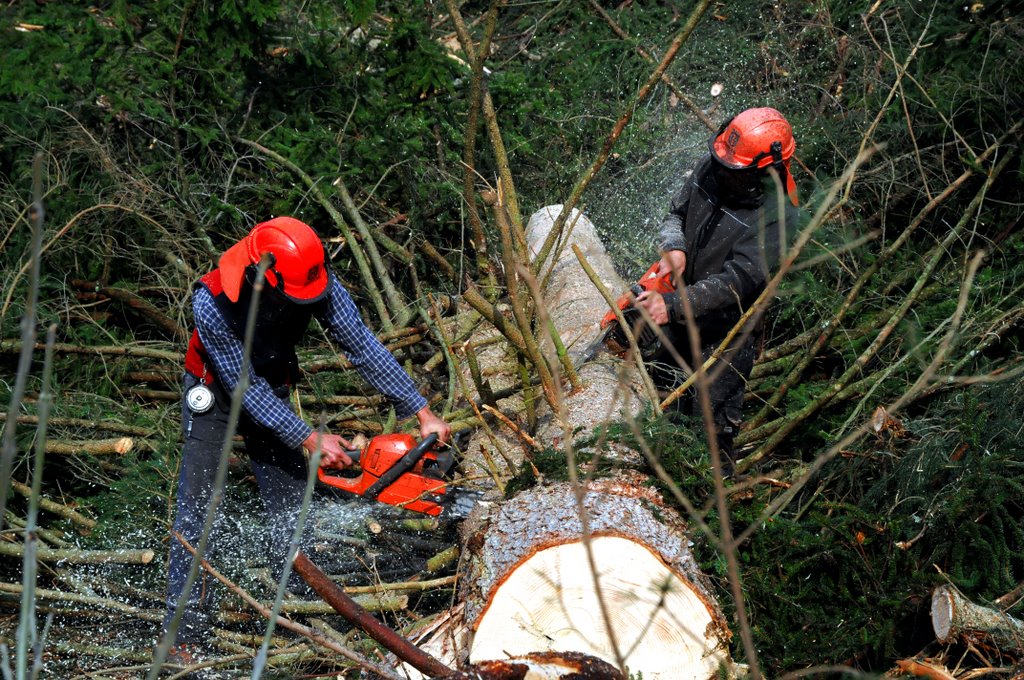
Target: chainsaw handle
{"points": [[404, 464], [424, 446], [354, 454]]}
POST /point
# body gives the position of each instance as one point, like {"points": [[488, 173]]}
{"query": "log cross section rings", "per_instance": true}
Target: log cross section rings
{"points": [[529, 585]]}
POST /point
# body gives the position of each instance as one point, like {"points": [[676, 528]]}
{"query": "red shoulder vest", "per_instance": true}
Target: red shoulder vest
{"points": [[196, 360]]}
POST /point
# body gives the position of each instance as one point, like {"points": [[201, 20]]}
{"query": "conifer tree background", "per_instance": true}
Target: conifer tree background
{"points": [[151, 116]]}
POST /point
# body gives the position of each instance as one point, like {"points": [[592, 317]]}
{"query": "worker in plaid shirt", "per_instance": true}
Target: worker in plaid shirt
{"points": [[298, 287]]}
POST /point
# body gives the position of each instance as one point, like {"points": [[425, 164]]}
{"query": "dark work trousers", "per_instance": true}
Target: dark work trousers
{"points": [[281, 474], [726, 390]]}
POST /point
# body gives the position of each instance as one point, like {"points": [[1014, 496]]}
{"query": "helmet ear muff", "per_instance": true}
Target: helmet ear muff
{"points": [[723, 127], [272, 276], [777, 162]]}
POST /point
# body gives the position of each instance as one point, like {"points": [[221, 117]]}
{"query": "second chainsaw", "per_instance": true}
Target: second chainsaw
{"points": [[614, 337]]}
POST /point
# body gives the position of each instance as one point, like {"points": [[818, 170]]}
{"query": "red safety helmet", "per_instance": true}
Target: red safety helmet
{"points": [[756, 138], [298, 268]]}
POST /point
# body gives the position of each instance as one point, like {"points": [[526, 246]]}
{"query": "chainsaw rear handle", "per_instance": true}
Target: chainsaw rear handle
{"points": [[404, 464]]}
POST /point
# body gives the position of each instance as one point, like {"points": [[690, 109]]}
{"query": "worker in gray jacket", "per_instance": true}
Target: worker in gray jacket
{"points": [[721, 238]]}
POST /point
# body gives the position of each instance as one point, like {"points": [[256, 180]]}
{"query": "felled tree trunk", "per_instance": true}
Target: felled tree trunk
{"points": [[575, 308], [527, 581], [574, 305], [954, 617]]}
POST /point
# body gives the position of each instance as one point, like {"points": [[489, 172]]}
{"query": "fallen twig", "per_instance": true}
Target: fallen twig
{"points": [[345, 606], [512, 426], [15, 346], [305, 631], [477, 301], [922, 669], [139, 304], [107, 425], [95, 447], [77, 556], [56, 508], [44, 594]]}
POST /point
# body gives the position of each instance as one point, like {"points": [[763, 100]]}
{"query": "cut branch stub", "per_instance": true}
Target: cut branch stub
{"points": [[955, 617], [529, 585]]}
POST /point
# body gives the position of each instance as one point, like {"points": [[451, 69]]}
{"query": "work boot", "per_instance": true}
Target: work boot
{"points": [[726, 452]]}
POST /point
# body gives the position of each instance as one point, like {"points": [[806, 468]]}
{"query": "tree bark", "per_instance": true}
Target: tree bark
{"points": [[76, 556]]}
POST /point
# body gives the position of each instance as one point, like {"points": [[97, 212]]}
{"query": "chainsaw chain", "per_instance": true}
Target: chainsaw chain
{"points": [[461, 503]]}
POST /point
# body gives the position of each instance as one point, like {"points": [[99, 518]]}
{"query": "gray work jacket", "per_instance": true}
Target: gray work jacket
{"points": [[730, 251]]}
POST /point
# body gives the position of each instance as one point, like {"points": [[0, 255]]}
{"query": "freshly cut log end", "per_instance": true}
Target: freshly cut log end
{"points": [[531, 586], [942, 614], [550, 602]]}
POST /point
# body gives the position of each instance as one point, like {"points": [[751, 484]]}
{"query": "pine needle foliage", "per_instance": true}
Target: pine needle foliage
{"points": [[140, 108], [846, 572]]}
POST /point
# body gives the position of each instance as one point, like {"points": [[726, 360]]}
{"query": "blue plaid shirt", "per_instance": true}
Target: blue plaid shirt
{"points": [[345, 326]]}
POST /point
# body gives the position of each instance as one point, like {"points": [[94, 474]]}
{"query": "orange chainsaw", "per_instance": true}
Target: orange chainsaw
{"points": [[614, 337], [394, 469]]}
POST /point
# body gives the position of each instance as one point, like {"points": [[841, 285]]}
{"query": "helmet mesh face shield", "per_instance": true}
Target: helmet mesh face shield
{"points": [[741, 188]]}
